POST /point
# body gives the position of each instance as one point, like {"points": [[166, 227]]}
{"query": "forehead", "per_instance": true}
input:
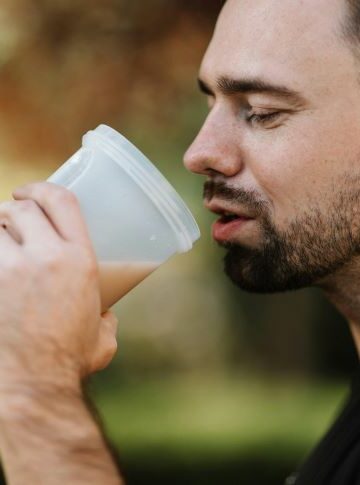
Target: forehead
{"points": [[277, 39]]}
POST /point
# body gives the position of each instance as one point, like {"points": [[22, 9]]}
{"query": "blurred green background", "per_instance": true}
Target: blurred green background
{"points": [[210, 385]]}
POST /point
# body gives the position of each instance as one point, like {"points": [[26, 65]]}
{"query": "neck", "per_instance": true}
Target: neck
{"points": [[343, 290]]}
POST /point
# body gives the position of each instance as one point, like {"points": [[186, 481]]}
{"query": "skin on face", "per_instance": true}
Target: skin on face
{"points": [[303, 161]]}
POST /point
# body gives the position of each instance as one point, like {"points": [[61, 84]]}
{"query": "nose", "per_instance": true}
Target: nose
{"points": [[216, 149]]}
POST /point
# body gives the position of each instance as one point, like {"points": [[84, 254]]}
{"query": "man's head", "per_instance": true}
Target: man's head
{"points": [[281, 143]]}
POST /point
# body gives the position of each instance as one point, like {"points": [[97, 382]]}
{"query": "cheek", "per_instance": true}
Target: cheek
{"points": [[299, 166], [293, 176]]}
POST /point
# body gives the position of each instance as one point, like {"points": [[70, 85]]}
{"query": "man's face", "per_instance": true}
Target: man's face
{"points": [[281, 144]]}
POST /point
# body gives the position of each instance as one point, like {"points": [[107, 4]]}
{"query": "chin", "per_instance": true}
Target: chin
{"points": [[256, 272]]}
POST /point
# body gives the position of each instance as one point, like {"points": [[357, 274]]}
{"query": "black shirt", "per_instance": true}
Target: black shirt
{"points": [[336, 460]]}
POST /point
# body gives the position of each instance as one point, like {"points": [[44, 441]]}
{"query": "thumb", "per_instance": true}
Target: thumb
{"points": [[110, 321], [106, 347]]}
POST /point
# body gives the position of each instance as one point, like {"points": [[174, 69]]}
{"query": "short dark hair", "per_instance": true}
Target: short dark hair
{"points": [[351, 26]]}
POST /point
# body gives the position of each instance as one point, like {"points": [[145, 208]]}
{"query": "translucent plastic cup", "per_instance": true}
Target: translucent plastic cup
{"points": [[136, 220]]}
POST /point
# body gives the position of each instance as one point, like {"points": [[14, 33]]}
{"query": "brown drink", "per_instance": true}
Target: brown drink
{"points": [[118, 278]]}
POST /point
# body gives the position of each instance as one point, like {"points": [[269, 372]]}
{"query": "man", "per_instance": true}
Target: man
{"points": [[281, 152]]}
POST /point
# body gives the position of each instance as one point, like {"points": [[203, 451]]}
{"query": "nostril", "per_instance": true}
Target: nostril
{"points": [[197, 160]]}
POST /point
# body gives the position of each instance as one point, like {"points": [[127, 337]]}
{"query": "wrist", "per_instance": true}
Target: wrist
{"points": [[47, 428], [55, 417], [46, 370], [24, 399], [34, 377]]}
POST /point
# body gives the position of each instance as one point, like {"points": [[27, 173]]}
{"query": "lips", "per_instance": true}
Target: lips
{"points": [[227, 212], [226, 218], [231, 222], [223, 231]]}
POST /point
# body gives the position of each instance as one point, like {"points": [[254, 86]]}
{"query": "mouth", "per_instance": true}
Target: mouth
{"points": [[231, 222], [228, 217], [227, 212], [228, 228]]}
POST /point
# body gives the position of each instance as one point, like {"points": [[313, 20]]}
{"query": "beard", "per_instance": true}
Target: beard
{"points": [[314, 246]]}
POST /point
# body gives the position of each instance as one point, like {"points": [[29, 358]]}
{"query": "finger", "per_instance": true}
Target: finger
{"points": [[7, 242], [61, 207], [11, 232], [26, 220]]}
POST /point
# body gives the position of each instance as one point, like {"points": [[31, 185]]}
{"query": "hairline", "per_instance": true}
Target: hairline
{"points": [[350, 27]]}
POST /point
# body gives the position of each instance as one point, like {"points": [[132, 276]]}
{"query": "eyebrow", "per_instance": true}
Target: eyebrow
{"points": [[230, 87]]}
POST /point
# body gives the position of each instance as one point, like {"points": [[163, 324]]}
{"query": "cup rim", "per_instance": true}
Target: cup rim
{"points": [[150, 179]]}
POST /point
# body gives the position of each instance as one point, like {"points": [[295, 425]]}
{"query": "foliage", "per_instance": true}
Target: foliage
{"points": [[204, 421]]}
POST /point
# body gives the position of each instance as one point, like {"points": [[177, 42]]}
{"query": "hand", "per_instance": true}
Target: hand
{"points": [[51, 330]]}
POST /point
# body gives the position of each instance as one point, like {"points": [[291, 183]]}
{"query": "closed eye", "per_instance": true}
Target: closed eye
{"points": [[262, 119]]}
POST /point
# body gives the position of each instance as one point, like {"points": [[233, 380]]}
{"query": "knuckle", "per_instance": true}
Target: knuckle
{"points": [[52, 259], [86, 261], [58, 256], [25, 205], [65, 196], [6, 206]]}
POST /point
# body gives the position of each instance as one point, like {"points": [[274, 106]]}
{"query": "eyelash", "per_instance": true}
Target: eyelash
{"points": [[262, 119]]}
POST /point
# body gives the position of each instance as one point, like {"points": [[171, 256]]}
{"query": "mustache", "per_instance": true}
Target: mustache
{"points": [[248, 199]]}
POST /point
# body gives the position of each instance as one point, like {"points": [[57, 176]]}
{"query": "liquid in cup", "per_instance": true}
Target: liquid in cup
{"points": [[136, 219], [118, 278]]}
